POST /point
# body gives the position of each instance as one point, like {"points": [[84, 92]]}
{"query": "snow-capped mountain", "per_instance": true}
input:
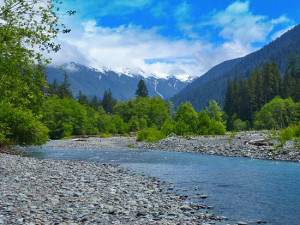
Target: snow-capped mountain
{"points": [[123, 83]]}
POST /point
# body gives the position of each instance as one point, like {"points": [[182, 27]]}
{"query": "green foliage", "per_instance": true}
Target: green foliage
{"points": [[213, 84], [151, 135], [108, 102], [92, 120], [168, 127], [66, 117], [20, 126], [277, 114], [117, 125], [285, 135], [245, 97], [134, 124], [27, 29], [239, 125], [105, 135], [214, 111], [217, 128], [142, 112], [142, 90], [204, 122], [130, 146], [185, 119], [289, 133]]}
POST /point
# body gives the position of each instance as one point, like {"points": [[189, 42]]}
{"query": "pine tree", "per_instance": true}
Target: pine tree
{"points": [[142, 90], [53, 88], [229, 99], [291, 83], [82, 99], [108, 101], [64, 89], [271, 81], [94, 103]]}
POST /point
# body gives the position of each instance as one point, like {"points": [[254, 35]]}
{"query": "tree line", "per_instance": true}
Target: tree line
{"points": [[64, 116], [32, 110], [248, 100]]}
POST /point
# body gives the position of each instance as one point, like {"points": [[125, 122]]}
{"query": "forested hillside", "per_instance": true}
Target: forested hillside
{"points": [[246, 98], [212, 85]]}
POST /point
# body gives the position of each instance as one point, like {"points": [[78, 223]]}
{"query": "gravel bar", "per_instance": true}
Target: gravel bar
{"points": [[232, 146], [35, 191], [237, 146]]}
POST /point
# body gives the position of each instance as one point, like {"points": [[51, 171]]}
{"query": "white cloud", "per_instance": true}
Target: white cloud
{"points": [[131, 46], [238, 23], [281, 19]]}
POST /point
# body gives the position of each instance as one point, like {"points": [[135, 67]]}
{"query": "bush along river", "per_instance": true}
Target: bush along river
{"points": [[241, 189]]}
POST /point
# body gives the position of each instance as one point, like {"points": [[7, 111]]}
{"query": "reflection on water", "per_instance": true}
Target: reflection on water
{"points": [[240, 188]]}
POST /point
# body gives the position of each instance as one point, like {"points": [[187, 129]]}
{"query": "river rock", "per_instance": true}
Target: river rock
{"points": [[66, 192]]}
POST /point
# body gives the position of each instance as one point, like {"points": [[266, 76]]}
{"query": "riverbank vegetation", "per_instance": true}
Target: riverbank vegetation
{"points": [[32, 110]]}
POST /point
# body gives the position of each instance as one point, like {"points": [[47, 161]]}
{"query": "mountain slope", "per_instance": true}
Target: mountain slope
{"points": [[212, 85], [93, 82]]}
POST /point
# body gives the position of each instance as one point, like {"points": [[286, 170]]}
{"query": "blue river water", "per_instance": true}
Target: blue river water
{"points": [[241, 189]]}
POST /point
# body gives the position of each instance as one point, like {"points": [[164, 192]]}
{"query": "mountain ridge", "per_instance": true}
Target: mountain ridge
{"points": [[212, 85], [93, 81]]}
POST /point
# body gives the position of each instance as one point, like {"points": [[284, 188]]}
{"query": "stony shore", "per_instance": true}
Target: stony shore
{"points": [[64, 192], [232, 146]]}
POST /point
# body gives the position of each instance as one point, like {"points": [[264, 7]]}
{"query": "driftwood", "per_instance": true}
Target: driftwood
{"points": [[80, 139], [258, 142]]}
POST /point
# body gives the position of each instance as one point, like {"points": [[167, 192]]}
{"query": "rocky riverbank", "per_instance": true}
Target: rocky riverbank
{"points": [[64, 192], [227, 145], [232, 146], [112, 143]]}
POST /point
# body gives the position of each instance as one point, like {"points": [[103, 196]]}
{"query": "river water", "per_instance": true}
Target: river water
{"points": [[241, 189]]}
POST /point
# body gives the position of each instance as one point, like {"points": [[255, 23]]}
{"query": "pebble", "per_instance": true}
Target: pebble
{"points": [[218, 145], [228, 146], [68, 192]]}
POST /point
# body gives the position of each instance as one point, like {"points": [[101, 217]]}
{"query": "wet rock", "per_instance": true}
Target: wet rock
{"points": [[66, 192]]}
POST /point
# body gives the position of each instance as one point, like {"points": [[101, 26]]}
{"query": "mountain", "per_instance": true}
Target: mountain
{"points": [[212, 85], [123, 84]]}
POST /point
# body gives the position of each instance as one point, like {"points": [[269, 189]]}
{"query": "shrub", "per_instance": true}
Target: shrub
{"points": [[203, 123], [217, 128], [289, 133], [168, 127], [285, 135], [151, 135], [20, 126], [105, 135], [239, 125]]}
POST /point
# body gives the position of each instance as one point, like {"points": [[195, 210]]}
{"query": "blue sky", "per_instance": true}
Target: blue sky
{"points": [[170, 37]]}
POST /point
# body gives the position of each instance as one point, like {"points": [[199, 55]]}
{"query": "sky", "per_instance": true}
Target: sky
{"points": [[164, 38]]}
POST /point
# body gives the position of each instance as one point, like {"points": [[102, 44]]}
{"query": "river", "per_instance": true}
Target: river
{"points": [[241, 189]]}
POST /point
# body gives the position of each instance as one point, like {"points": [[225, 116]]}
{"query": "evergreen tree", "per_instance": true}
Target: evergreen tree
{"points": [[108, 101], [271, 81], [64, 89], [53, 88], [94, 103], [214, 111], [142, 90], [82, 99], [229, 98], [291, 83]]}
